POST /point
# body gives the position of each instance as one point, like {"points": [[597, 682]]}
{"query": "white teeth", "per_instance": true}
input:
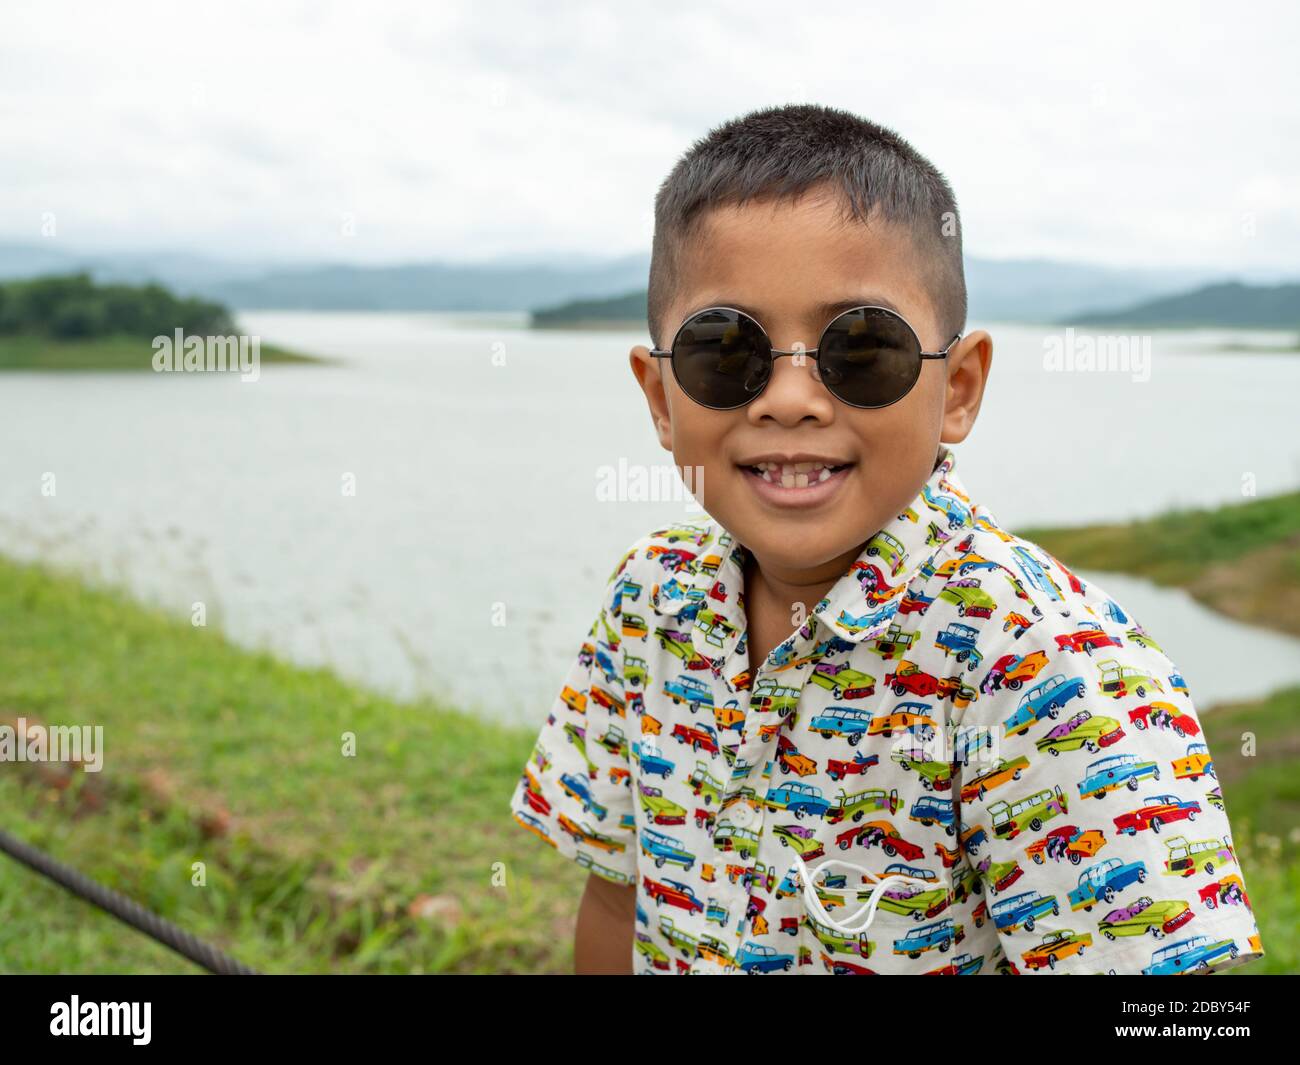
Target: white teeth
{"points": [[793, 474]]}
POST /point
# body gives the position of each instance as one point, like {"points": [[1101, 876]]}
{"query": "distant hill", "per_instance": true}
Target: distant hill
{"points": [[1020, 290], [629, 309], [180, 272], [1227, 304], [1043, 290], [499, 286], [514, 283]]}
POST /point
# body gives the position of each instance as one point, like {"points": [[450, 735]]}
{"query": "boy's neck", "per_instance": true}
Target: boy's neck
{"points": [[773, 593]]}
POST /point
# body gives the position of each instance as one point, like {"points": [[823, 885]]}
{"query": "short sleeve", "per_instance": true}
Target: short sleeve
{"points": [[1091, 810], [575, 790]]}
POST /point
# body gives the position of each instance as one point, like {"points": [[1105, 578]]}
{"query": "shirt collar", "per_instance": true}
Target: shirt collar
{"points": [[860, 605], [718, 567], [705, 596], [863, 603]]}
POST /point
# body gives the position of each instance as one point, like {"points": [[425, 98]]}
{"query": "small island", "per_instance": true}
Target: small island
{"points": [[71, 322]]}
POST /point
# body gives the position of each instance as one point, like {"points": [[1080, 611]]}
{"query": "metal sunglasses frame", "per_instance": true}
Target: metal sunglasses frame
{"points": [[776, 353]]}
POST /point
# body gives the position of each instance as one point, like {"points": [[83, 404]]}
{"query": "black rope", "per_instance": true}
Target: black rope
{"points": [[124, 909]]}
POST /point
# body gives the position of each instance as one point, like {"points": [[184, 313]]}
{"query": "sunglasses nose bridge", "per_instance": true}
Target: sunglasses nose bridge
{"points": [[794, 356], [811, 367]]}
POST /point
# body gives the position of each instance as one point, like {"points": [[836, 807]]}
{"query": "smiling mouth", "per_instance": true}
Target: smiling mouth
{"points": [[795, 474]]}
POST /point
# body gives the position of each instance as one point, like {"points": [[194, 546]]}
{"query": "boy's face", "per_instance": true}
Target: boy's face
{"points": [[780, 262]]}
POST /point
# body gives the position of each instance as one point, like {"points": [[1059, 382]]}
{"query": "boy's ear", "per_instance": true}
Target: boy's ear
{"points": [[649, 375], [968, 372]]}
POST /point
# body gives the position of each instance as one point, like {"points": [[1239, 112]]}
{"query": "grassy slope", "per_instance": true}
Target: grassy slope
{"points": [[1256, 758], [108, 353], [1242, 560], [232, 758]]}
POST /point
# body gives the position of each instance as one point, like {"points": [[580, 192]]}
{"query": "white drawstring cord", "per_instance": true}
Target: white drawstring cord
{"points": [[813, 902]]}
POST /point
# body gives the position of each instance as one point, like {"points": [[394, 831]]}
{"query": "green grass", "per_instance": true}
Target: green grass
{"points": [[43, 929], [1167, 548], [106, 353], [1261, 789], [232, 758], [1242, 559]]}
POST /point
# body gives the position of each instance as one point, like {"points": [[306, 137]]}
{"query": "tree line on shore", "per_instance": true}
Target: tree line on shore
{"points": [[75, 307]]}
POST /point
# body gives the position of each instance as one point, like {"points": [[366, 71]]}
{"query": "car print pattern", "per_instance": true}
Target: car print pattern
{"points": [[961, 716]]}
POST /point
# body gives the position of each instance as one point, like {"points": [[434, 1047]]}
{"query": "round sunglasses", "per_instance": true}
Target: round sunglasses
{"points": [[867, 357]]}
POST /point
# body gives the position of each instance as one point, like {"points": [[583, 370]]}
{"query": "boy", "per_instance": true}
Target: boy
{"points": [[850, 724]]}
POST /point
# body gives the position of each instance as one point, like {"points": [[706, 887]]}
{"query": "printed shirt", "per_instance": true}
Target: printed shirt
{"points": [[1010, 765]]}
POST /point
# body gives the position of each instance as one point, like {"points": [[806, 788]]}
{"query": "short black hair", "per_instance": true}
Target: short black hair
{"points": [[783, 152]]}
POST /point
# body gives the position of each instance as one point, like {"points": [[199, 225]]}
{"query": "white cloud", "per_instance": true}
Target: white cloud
{"points": [[1118, 133]]}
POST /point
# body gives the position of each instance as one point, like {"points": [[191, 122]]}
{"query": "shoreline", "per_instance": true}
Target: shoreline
{"points": [[1239, 559], [40, 354]]}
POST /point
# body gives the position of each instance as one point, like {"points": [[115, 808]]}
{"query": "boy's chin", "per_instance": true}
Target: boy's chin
{"points": [[799, 542]]}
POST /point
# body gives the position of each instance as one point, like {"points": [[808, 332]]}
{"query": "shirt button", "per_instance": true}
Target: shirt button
{"points": [[742, 816]]}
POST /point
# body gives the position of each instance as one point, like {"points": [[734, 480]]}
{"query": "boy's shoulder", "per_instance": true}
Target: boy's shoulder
{"points": [[1021, 599], [988, 561]]}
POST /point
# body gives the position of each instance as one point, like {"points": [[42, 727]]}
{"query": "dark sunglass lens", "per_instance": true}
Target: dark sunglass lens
{"points": [[869, 357], [721, 359]]}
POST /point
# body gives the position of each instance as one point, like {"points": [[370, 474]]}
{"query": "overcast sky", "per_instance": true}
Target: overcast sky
{"points": [[1126, 134]]}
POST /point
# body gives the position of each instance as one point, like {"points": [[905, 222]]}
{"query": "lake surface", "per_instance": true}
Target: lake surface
{"points": [[476, 487]]}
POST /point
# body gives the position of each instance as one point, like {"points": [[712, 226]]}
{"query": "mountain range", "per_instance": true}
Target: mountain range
{"points": [[1228, 303], [1026, 290]]}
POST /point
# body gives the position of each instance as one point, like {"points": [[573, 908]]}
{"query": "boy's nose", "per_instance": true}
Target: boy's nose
{"points": [[794, 391]]}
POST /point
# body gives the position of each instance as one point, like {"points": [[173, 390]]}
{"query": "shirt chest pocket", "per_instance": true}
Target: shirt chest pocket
{"points": [[856, 924]]}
